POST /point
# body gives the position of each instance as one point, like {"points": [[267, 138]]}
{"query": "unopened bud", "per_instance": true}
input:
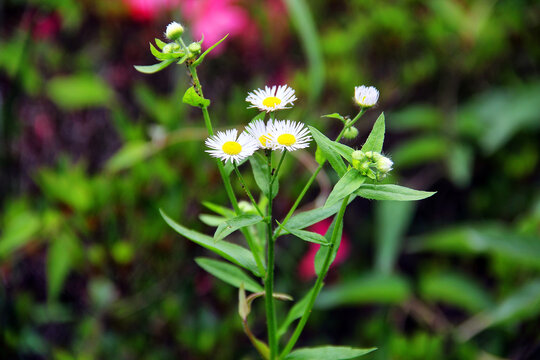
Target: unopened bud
{"points": [[246, 207], [170, 48], [384, 164], [174, 31], [350, 133], [358, 158], [194, 48]]}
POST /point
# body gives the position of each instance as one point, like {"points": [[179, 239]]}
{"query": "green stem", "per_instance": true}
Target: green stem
{"points": [[246, 189], [317, 171], [269, 281], [278, 167], [319, 283], [225, 177]]}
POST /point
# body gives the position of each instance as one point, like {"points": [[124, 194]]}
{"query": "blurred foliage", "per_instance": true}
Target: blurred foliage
{"points": [[90, 150]]}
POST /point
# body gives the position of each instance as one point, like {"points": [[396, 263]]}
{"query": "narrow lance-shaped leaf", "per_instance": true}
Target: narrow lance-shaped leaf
{"points": [[328, 352], [323, 251], [375, 139], [234, 224], [307, 236], [232, 252], [391, 192], [327, 148], [349, 183], [260, 173], [296, 312], [229, 273], [150, 69], [160, 44], [203, 55]]}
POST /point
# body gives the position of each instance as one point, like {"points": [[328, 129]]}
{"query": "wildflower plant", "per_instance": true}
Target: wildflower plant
{"points": [[263, 144]]}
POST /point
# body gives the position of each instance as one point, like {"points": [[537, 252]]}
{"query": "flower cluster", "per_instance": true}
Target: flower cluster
{"points": [[371, 164], [272, 135]]}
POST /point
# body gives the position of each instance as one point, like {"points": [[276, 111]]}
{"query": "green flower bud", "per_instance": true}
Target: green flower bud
{"points": [[195, 48], [246, 207], [384, 164], [358, 158], [174, 31], [350, 133]]}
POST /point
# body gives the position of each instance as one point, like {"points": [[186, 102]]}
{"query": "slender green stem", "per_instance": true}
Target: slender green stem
{"points": [[269, 281], [246, 189], [225, 177], [319, 283], [278, 167]]}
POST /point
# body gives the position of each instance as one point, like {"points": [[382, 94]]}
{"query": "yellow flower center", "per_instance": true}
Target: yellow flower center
{"points": [[271, 101], [231, 148], [286, 139], [263, 139]]}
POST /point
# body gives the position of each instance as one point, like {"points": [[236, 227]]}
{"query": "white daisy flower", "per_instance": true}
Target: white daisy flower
{"points": [[366, 96], [271, 98], [259, 131], [227, 146], [288, 135]]}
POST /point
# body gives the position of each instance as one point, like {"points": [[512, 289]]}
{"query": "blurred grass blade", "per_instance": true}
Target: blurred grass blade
{"points": [[328, 352]]}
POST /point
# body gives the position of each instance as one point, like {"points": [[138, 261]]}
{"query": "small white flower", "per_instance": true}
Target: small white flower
{"points": [[366, 96], [259, 131], [174, 31], [288, 135], [227, 146], [384, 164], [271, 99]]}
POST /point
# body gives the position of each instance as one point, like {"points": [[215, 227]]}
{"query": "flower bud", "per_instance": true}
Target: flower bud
{"points": [[366, 96], [170, 48], [358, 158], [195, 48], [246, 207], [350, 133], [384, 164], [174, 31]]}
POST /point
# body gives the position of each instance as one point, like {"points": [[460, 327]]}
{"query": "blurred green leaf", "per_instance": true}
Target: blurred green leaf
{"points": [[150, 69], [63, 254], [323, 250], [375, 139], [454, 289], [327, 148], [492, 239], [327, 353], [460, 163], [212, 220], [296, 312], [191, 97], [259, 165], [348, 184], [70, 186], [79, 91], [391, 192], [232, 252], [129, 155], [370, 288], [417, 117], [230, 226], [218, 209], [229, 273], [420, 150], [17, 230], [392, 219]]}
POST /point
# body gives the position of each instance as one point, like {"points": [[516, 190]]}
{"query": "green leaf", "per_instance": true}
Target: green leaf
{"points": [[203, 55], [420, 151], [296, 312], [259, 165], [130, 154], [343, 150], [17, 231], [212, 220], [328, 353], [218, 209], [391, 192], [158, 54], [150, 69], [335, 116], [392, 219], [229, 273], [230, 226], [349, 183], [369, 289], [63, 254], [160, 44], [232, 252], [192, 98], [327, 148], [454, 289], [323, 251], [307, 236], [375, 139], [310, 217], [79, 91]]}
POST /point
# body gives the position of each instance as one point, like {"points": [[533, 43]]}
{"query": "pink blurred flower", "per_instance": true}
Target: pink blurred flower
{"points": [[306, 268], [146, 10], [215, 19], [46, 27]]}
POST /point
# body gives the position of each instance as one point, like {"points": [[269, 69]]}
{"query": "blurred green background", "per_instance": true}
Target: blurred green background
{"points": [[90, 150]]}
